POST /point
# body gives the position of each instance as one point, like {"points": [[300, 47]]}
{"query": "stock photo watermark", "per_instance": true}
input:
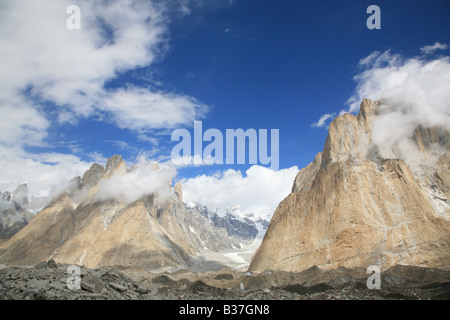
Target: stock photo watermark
{"points": [[374, 281], [374, 21], [73, 22], [74, 280], [235, 140]]}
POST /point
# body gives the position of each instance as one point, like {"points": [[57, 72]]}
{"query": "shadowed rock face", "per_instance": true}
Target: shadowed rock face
{"points": [[349, 208]]}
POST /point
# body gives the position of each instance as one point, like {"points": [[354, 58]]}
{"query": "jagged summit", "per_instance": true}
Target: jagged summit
{"points": [[349, 136], [357, 204], [114, 162], [92, 176]]}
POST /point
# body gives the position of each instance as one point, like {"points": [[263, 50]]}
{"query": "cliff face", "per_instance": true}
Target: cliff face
{"points": [[78, 228], [353, 207]]}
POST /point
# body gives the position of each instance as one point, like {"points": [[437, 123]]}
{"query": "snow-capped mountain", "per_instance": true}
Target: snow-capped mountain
{"points": [[247, 227], [13, 212]]}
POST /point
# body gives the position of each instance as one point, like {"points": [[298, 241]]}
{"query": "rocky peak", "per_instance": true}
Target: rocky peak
{"points": [[92, 176], [367, 111], [114, 165], [114, 162], [178, 191], [349, 208], [6, 196], [20, 196], [350, 136], [343, 136], [305, 177]]}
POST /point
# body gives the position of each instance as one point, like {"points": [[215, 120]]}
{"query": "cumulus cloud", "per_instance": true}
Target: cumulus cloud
{"points": [[144, 178], [258, 192], [422, 85], [142, 110], [44, 173], [191, 161], [21, 122], [60, 187]]}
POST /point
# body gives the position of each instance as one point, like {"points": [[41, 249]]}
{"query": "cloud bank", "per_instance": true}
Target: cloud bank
{"points": [[420, 85], [42, 172], [258, 192], [144, 178], [41, 61]]}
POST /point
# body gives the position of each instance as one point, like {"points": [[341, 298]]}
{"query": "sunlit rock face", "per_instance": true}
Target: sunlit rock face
{"points": [[357, 205]]}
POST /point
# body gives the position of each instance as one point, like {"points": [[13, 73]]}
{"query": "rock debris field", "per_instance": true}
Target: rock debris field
{"points": [[48, 281]]}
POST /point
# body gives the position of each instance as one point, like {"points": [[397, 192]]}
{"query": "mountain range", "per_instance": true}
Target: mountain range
{"points": [[79, 227], [359, 203]]}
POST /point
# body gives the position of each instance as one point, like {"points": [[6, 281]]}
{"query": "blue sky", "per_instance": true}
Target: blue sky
{"points": [[235, 64], [266, 64]]}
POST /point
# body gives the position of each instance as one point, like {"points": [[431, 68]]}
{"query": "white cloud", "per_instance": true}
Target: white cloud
{"points": [[422, 98], [191, 161], [123, 145], [141, 110], [434, 47], [144, 178], [21, 122], [259, 192], [418, 86], [422, 84], [322, 122], [97, 157], [42, 172], [43, 66], [70, 67]]}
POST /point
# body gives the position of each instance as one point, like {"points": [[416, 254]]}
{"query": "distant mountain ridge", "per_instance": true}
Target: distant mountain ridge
{"points": [[243, 227]]}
